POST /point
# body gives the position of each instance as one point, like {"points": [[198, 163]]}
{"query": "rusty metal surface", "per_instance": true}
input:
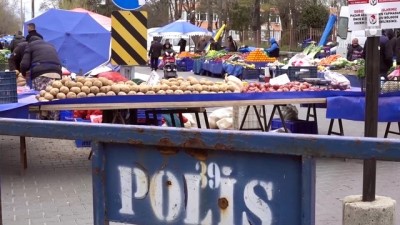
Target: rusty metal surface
{"points": [[193, 140]]}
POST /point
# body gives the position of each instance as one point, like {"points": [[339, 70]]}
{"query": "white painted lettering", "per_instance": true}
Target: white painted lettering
{"points": [[174, 196], [257, 205]]}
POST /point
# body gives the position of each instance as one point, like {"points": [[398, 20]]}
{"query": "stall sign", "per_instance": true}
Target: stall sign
{"points": [[167, 186], [389, 13]]}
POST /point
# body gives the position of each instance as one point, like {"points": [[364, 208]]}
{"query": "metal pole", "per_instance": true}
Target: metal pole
{"points": [[33, 8], [371, 113]]}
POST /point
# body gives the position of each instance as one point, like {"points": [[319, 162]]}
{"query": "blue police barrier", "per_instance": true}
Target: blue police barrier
{"points": [[154, 175]]}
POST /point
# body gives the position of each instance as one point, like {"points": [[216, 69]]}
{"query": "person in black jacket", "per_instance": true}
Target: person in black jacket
{"points": [[354, 51], [18, 38], [41, 59], [232, 45], [182, 45], [155, 53], [214, 45], [17, 55], [32, 32]]}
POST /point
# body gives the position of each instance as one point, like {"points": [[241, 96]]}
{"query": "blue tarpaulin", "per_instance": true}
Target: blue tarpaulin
{"points": [[328, 29]]}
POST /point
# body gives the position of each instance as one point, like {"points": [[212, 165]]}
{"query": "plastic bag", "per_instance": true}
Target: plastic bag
{"points": [[114, 76], [300, 59], [225, 123], [289, 112], [395, 73], [393, 85], [219, 114], [338, 81]]}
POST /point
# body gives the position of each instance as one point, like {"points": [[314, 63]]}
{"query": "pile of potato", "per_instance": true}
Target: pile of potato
{"points": [[20, 79], [91, 87]]}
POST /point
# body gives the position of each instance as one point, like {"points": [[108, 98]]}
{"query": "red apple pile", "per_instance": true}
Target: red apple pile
{"points": [[291, 86]]}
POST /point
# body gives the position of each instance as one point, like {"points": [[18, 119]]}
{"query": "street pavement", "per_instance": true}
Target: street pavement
{"points": [[57, 189]]}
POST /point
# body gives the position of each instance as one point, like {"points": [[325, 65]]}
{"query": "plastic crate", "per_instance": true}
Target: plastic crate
{"points": [[8, 87], [296, 126], [181, 64], [82, 143], [296, 73], [189, 64], [66, 115], [251, 74]]}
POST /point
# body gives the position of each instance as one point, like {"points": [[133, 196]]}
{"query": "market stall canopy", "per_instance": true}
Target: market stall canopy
{"points": [[102, 20], [81, 42], [181, 28]]}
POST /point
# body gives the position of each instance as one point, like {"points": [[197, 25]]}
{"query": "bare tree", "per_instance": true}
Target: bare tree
{"points": [[9, 22]]}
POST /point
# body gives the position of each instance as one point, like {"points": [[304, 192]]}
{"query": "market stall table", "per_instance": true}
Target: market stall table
{"points": [[20, 110]]}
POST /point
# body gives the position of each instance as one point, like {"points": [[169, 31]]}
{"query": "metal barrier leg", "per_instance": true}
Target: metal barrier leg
{"points": [[206, 119], [277, 107], [341, 132], [264, 112], [198, 120], [23, 156], [244, 117], [388, 131], [282, 118], [258, 118]]}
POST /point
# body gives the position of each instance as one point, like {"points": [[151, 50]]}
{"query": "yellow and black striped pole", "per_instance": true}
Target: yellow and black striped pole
{"points": [[129, 38]]}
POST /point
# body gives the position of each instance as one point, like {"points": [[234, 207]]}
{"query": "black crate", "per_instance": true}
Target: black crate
{"points": [[296, 73], [8, 87], [251, 74]]}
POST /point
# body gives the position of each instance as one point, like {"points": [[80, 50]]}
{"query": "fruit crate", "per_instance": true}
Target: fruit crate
{"points": [[8, 87], [82, 143], [296, 126]]}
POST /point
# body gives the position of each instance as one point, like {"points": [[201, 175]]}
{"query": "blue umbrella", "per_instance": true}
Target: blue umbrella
{"points": [[81, 42], [180, 28]]}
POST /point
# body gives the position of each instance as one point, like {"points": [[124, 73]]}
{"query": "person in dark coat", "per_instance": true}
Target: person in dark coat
{"points": [[214, 45], [32, 32], [182, 45], [167, 45], [232, 45], [41, 59], [17, 55], [201, 45], [355, 51], [154, 53], [18, 38]]}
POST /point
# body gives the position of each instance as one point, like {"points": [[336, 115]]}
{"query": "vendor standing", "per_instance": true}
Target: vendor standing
{"points": [[182, 45], [32, 32], [273, 50], [355, 51], [201, 45], [41, 59]]}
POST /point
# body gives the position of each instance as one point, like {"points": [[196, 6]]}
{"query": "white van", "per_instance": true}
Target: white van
{"points": [[345, 35]]}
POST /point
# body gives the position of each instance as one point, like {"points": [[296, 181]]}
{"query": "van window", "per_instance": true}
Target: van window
{"points": [[343, 27]]}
